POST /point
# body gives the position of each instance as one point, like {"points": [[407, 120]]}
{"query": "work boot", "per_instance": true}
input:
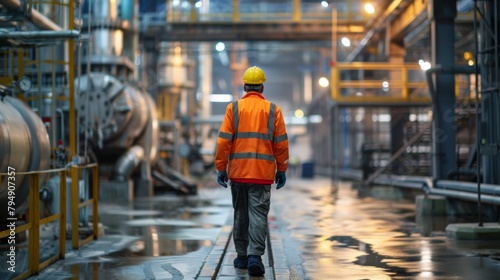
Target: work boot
{"points": [[255, 266], [241, 262]]}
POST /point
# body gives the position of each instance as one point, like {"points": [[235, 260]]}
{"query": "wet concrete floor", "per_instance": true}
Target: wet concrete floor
{"points": [[319, 230], [333, 231]]}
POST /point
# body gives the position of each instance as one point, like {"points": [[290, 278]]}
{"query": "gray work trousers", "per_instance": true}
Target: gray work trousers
{"points": [[251, 206]]}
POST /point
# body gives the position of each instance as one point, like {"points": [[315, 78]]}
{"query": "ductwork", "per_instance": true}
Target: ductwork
{"points": [[35, 16], [127, 163]]}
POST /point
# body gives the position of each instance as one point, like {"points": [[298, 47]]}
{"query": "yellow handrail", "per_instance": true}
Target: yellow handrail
{"points": [[387, 83], [76, 205], [34, 223]]}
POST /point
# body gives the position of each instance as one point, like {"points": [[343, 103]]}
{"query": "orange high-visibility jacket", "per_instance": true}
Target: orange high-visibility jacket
{"points": [[252, 140]]}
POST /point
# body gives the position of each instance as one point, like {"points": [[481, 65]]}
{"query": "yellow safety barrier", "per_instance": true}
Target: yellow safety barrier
{"points": [[76, 205], [383, 83], [34, 221]]}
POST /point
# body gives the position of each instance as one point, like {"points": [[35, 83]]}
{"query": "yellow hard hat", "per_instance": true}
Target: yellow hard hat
{"points": [[254, 76]]}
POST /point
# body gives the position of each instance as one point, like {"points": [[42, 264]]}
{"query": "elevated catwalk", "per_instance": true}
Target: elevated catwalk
{"points": [[317, 231]]}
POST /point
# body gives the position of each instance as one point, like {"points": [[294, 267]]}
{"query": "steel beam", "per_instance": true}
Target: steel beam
{"points": [[415, 10], [442, 14], [320, 30], [374, 28]]}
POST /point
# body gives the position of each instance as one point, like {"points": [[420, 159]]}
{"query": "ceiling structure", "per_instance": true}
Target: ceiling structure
{"points": [[287, 47]]}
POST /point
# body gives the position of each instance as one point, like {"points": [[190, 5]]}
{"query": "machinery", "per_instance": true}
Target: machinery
{"points": [[24, 146], [118, 120]]}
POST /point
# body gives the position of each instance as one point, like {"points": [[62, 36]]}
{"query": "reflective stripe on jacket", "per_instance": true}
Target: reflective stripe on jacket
{"points": [[252, 140]]}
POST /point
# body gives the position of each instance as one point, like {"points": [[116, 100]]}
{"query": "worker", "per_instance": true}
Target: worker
{"points": [[252, 152]]}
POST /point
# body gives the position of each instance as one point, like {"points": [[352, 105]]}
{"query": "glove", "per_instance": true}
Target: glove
{"points": [[280, 179], [222, 178]]}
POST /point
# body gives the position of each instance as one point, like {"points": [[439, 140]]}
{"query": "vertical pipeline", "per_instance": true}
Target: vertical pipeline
{"points": [[478, 118], [79, 75], [89, 52]]}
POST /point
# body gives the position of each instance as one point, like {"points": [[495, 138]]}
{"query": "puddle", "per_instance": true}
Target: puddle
{"points": [[371, 258], [153, 247]]}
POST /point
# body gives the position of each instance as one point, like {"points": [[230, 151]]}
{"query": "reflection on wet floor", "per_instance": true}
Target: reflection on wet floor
{"points": [[343, 232], [167, 225], [152, 238], [326, 231]]}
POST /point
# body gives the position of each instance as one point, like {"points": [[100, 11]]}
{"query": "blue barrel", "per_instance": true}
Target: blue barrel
{"points": [[308, 170]]}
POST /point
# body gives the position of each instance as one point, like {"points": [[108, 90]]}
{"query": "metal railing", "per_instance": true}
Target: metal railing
{"points": [[383, 83], [35, 222], [364, 82], [236, 11]]}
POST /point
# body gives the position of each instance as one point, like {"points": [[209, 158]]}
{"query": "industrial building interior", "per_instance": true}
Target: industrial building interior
{"points": [[110, 111]]}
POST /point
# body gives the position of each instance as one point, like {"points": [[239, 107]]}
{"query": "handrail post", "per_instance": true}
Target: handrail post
{"points": [[296, 10], [62, 212], [74, 207], [31, 236], [95, 191], [236, 10], [334, 83], [404, 77], [192, 12], [35, 223]]}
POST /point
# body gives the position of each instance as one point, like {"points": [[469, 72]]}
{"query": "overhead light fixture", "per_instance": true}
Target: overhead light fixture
{"points": [[221, 98], [424, 65], [323, 82], [220, 47], [324, 4], [299, 113], [346, 42], [369, 8], [468, 56]]}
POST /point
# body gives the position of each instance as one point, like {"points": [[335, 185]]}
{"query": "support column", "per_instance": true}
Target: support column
{"points": [[489, 67], [442, 14], [205, 88], [239, 63], [307, 78], [399, 115]]}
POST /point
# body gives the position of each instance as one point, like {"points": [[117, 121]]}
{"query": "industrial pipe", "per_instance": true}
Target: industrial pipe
{"points": [[450, 189], [127, 163], [468, 187], [465, 195], [36, 17], [40, 34]]}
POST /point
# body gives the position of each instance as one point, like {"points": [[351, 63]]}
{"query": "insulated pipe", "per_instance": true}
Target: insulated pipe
{"points": [[468, 187], [417, 182], [463, 191], [36, 17], [40, 34], [127, 163], [464, 195]]}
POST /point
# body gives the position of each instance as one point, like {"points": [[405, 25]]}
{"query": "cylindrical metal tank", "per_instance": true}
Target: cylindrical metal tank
{"points": [[175, 81], [107, 40], [24, 146]]}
